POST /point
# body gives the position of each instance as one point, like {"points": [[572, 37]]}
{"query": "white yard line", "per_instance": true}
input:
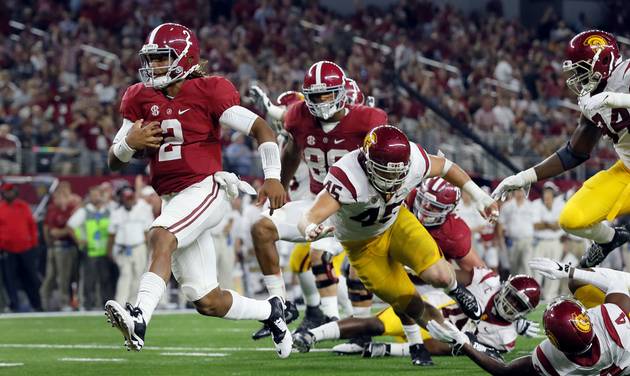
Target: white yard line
{"points": [[11, 364], [208, 355], [114, 360], [89, 346], [28, 315]]}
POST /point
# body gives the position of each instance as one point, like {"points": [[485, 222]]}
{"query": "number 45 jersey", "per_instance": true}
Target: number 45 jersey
{"points": [[191, 150], [324, 144], [614, 122], [364, 212]]}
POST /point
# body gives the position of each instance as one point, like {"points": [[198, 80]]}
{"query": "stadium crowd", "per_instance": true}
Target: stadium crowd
{"points": [[61, 117]]}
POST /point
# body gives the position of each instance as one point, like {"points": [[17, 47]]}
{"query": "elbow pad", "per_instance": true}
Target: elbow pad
{"points": [[570, 158]]}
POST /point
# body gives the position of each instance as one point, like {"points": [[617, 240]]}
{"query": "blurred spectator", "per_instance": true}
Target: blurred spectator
{"points": [[90, 224], [548, 234], [485, 118], [18, 242], [239, 155], [127, 241], [62, 251], [107, 188], [517, 217], [10, 151]]}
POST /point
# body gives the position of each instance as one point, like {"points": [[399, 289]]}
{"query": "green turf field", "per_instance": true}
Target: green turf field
{"points": [[184, 344]]}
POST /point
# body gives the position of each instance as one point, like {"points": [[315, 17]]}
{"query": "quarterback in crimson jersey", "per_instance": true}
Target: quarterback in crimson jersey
{"points": [[321, 129], [176, 114]]}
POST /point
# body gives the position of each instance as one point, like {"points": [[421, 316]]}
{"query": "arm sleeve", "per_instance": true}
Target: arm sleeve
{"points": [[122, 132], [238, 118]]}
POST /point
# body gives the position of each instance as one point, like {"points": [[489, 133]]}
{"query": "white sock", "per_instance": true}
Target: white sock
{"points": [[412, 332], [342, 297], [150, 291], [247, 309], [361, 312], [599, 233], [309, 288], [327, 331], [275, 285], [398, 349], [329, 306], [453, 285]]}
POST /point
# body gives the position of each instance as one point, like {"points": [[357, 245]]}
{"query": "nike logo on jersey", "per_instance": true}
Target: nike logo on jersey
{"points": [[180, 112], [339, 141]]}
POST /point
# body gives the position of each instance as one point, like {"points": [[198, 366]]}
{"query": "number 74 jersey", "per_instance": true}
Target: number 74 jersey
{"points": [[364, 212], [614, 122]]}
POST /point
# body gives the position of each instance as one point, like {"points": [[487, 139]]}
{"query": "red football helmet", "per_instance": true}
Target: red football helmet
{"points": [[289, 97], [591, 57], [353, 93], [568, 326], [324, 77], [174, 44], [436, 198], [386, 151], [519, 295]]}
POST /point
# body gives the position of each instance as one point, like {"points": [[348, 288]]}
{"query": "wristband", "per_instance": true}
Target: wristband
{"points": [[123, 151], [477, 194], [270, 159]]}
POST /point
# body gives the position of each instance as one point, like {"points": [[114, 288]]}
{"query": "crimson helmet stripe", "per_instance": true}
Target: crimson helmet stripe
{"points": [[610, 328], [540, 354], [340, 175], [153, 33]]}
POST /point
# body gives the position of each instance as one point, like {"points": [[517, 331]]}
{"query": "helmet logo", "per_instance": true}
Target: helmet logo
{"points": [[596, 42], [369, 140], [581, 322]]}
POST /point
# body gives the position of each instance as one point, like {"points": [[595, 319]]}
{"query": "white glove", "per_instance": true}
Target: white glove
{"points": [[259, 94], [527, 328], [232, 184], [447, 332], [314, 232], [515, 182], [549, 268], [596, 104]]}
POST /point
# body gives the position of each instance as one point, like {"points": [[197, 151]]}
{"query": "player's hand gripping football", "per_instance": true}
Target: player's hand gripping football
{"points": [[147, 136], [550, 268], [273, 190]]}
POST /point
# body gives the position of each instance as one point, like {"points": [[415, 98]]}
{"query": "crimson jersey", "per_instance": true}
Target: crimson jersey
{"points": [[453, 236], [190, 150], [321, 148]]}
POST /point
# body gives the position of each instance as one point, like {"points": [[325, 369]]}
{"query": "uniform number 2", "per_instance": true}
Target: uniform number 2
{"points": [[171, 148]]}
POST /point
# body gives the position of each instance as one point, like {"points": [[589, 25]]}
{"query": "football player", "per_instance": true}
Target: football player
{"points": [[363, 196], [579, 341], [594, 61], [322, 129], [175, 115]]}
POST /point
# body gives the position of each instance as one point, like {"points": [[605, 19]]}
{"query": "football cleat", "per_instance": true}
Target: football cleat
{"points": [[596, 253], [353, 346], [376, 350], [467, 302], [280, 334], [303, 340], [291, 313], [420, 356], [129, 321], [313, 317]]}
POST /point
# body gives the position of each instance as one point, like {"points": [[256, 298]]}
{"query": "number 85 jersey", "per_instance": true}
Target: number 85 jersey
{"points": [[323, 144], [364, 212]]}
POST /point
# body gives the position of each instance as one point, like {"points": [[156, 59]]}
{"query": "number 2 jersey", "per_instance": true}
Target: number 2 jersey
{"points": [[610, 354], [324, 144], [614, 122], [191, 148], [364, 213]]}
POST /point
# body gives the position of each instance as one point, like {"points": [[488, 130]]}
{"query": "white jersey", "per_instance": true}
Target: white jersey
{"points": [[613, 121], [364, 213], [610, 350], [299, 188]]}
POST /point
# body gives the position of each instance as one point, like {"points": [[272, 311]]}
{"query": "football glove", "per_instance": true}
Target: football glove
{"points": [[232, 184], [523, 180], [549, 268], [447, 332], [527, 328]]}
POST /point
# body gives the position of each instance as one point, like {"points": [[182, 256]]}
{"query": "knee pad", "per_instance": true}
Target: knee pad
{"points": [[357, 292], [325, 268]]}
